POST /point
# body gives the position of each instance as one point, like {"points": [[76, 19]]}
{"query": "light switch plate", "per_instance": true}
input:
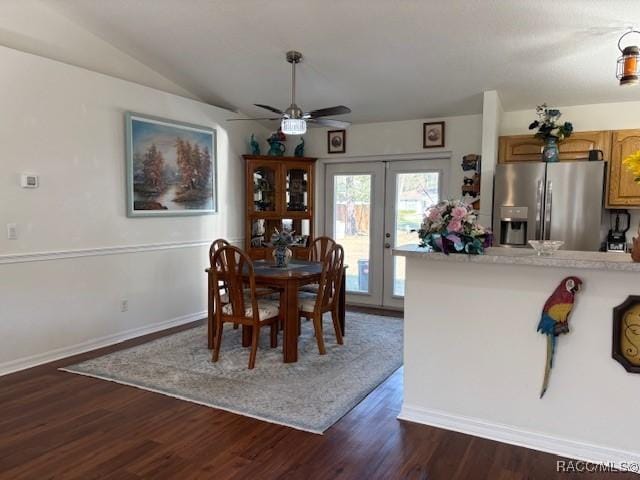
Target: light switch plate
{"points": [[12, 231], [27, 180]]}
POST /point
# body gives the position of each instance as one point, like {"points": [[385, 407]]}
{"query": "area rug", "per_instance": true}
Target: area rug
{"points": [[309, 395]]}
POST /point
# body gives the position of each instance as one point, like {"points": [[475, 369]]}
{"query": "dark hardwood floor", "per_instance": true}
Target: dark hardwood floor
{"points": [[57, 425]]}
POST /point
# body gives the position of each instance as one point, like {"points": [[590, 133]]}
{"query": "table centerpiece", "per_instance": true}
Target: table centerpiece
{"points": [[281, 240], [452, 226]]}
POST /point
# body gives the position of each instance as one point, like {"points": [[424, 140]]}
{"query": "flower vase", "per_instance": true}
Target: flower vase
{"points": [[550, 151], [281, 256]]}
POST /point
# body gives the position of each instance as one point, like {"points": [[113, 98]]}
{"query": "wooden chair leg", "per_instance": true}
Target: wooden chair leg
{"points": [[336, 325], [254, 346], [317, 326], [217, 341], [274, 334], [210, 320]]}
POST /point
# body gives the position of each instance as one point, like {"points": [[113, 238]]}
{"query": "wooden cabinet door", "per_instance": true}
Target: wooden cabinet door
{"points": [[264, 187], [520, 148], [623, 192], [297, 189], [527, 148]]}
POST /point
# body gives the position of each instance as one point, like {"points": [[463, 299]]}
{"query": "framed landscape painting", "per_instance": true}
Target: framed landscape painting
{"points": [[171, 167]]}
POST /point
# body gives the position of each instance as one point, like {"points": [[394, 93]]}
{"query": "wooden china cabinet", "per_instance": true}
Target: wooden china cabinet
{"points": [[279, 195]]}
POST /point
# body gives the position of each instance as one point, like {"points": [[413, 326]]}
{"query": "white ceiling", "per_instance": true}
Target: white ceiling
{"points": [[386, 59]]}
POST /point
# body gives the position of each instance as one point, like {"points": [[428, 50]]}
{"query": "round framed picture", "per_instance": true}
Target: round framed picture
{"points": [[433, 135], [336, 141]]}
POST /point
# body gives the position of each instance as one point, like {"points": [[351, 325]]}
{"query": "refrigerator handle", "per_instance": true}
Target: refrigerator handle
{"points": [[539, 211], [547, 211]]}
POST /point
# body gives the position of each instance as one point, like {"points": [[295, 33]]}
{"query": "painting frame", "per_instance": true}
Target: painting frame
{"points": [[342, 134], [619, 315], [132, 212], [438, 142]]}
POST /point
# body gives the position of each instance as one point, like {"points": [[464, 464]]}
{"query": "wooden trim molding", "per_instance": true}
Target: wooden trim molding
{"points": [[563, 447], [100, 251], [95, 343]]}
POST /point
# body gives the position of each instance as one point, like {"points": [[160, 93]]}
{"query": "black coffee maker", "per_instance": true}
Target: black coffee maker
{"points": [[617, 237]]}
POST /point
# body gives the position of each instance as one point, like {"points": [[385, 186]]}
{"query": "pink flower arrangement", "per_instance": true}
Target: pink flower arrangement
{"points": [[452, 226], [455, 225]]}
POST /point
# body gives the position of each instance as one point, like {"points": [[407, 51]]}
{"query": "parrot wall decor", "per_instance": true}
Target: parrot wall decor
{"points": [[554, 320]]}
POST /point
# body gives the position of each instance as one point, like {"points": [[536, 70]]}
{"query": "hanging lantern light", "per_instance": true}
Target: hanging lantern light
{"points": [[627, 70]]}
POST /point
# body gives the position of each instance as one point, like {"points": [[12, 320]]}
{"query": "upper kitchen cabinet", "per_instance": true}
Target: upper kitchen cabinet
{"points": [[623, 192], [527, 148]]}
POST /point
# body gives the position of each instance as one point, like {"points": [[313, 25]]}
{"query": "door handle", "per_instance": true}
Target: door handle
{"points": [[539, 211], [547, 212]]}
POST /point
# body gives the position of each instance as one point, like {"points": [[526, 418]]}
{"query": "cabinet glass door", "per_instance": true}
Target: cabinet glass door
{"points": [[297, 189], [264, 188]]}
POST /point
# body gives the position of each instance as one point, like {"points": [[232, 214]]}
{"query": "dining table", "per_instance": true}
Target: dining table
{"points": [[287, 281]]}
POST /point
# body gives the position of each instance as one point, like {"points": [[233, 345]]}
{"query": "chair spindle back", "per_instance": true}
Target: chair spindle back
{"points": [[230, 266], [320, 248]]}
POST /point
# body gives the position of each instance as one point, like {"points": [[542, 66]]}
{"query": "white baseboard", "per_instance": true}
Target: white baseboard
{"points": [[522, 438], [95, 343]]}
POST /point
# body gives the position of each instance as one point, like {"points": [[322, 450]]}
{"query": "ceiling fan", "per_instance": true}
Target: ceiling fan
{"points": [[293, 120]]}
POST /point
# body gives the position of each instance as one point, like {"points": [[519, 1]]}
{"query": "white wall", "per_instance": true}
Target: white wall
{"points": [[34, 27], [474, 361], [491, 118], [601, 116], [66, 124], [463, 135]]}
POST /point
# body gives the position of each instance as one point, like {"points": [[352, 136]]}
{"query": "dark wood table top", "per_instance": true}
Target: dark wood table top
{"points": [[297, 269]]}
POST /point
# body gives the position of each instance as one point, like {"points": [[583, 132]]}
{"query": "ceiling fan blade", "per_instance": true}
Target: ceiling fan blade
{"points": [[243, 119], [271, 109], [327, 112], [328, 122]]}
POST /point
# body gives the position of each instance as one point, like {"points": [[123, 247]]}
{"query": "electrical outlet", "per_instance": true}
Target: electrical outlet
{"points": [[124, 305], [12, 231]]}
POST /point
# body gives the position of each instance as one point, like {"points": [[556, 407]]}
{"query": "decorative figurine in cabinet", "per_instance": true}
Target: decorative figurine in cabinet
{"points": [[279, 196]]}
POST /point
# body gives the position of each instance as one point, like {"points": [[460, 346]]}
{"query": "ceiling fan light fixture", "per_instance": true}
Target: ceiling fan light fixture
{"points": [[627, 67], [293, 126]]}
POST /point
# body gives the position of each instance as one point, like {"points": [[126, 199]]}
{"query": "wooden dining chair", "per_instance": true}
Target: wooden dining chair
{"points": [[320, 247], [318, 251], [234, 268], [314, 306], [224, 298]]}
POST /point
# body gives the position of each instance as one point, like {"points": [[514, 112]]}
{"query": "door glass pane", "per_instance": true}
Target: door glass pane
{"points": [[351, 228], [264, 189], [297, 183], [415, 193]]}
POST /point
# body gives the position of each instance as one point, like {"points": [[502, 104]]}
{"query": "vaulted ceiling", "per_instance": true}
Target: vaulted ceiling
{"points": [[386, 59]]}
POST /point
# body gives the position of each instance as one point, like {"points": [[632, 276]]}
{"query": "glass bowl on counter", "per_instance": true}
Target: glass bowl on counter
{"points": [[545, 247]]}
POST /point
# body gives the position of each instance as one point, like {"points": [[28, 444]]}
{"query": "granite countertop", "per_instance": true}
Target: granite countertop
{"points": [[620, 262]]}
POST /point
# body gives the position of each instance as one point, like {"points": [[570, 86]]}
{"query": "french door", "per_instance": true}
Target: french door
{"points": [[370, 208]]}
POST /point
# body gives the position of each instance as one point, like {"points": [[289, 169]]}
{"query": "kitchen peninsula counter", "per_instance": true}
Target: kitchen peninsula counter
{"points": [[474, 362], [527, 256]]}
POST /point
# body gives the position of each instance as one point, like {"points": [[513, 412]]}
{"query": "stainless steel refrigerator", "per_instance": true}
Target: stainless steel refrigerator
{"points": [[549, 201]]}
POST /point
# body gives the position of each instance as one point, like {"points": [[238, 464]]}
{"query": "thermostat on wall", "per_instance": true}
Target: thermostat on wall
{"points": [[29, 181]]}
